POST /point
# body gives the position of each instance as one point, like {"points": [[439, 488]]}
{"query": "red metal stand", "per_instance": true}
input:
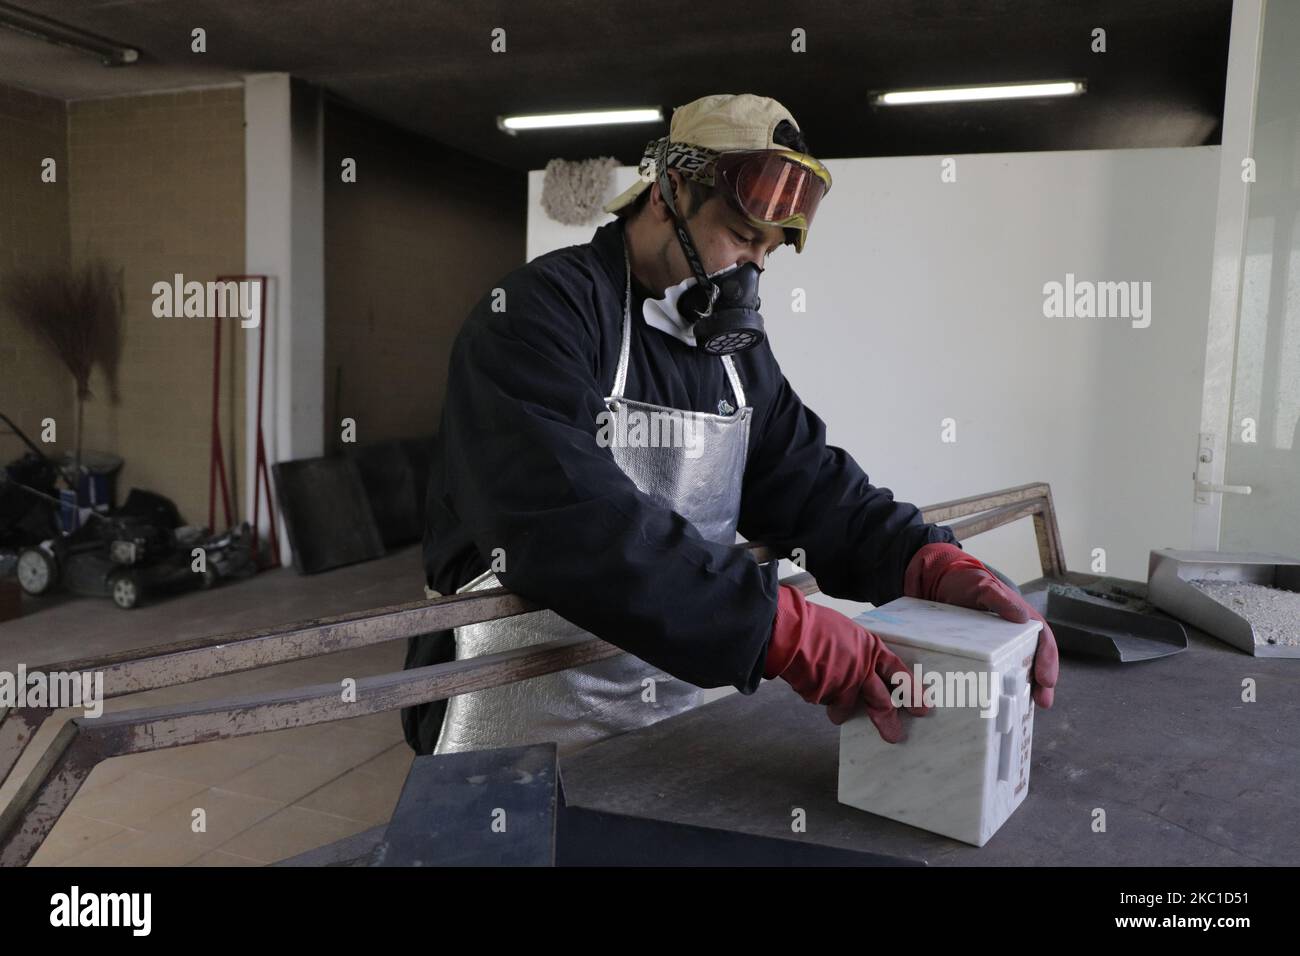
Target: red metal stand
{"points": [[217, 457], [261, 468]]}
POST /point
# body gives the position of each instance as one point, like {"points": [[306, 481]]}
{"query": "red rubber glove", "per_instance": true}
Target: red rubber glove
{"points": [[945, 573], [830, 660]]}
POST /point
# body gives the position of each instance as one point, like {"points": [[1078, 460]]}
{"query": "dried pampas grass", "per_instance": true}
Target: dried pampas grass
{"points": [[574, 190]]}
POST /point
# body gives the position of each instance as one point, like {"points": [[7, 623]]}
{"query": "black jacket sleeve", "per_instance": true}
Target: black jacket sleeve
{"points": [[801, 493], [524, 473]]}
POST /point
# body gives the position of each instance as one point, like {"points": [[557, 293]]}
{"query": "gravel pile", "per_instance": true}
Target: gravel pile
{"points": [[1274, 613]]}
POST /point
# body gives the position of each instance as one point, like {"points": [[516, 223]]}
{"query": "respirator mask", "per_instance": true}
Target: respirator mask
{"points": [[773, 187], [724, 314]]}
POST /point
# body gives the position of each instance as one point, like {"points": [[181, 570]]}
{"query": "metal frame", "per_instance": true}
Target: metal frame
{"points": [[1232, 212], [82, 743]]}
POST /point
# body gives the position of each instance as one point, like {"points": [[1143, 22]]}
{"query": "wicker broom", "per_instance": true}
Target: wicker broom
{"points": [[77, 313]]}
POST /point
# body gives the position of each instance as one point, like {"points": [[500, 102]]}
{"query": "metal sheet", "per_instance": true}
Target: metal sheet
{"points": [[476, 808], [326, 513]]}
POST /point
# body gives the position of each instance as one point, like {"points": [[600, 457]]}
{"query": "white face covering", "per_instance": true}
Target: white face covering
{"points": [[662, 313]]}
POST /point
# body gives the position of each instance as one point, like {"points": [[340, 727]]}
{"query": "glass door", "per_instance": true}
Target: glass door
{"points": [[1262, 451]]}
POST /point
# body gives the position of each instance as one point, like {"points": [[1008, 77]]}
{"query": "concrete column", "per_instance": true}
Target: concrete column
{"points": [[284, 216]]}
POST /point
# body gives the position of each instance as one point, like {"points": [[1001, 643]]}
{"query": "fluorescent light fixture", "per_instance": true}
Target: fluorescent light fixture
{"points": [[512, 124], [51, 31], [968, 94]]}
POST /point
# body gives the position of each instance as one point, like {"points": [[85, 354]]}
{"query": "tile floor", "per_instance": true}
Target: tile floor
{"points": [[242, 802]]}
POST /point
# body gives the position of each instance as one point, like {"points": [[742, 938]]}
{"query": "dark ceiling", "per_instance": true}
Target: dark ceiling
{"points": [[427, 65]]}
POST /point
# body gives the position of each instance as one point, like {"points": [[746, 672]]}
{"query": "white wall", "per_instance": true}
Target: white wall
{"points": [[925, 301]]}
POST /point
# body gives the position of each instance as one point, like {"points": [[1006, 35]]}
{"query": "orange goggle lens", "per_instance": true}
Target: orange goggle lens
{"points": [[774, 187]]}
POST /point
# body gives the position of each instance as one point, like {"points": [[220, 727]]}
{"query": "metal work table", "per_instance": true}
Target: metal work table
{"points": [[1186, 772]]}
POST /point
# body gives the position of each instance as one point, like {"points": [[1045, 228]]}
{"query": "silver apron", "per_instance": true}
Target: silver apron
{"points": [[582, 705]]}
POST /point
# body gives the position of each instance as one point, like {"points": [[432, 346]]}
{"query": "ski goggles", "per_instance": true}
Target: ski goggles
{"points": [[778, 187], [774, 187]]}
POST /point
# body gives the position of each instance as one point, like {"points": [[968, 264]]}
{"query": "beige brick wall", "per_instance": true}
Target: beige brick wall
{"points": [[155, 185], [409, 248], [157, 188], [33, 231]]}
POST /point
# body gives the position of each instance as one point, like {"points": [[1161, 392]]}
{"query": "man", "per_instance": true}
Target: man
{"points": [[559, 480]]}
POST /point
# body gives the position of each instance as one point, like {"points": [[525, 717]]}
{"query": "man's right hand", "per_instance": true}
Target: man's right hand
{"points": [[830, 660]]}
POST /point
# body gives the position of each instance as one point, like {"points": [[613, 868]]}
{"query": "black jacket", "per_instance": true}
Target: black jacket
{"points": [[520, 469]]}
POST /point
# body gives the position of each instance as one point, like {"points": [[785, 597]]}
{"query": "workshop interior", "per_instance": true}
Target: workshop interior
{"points": [[1036, 273]]}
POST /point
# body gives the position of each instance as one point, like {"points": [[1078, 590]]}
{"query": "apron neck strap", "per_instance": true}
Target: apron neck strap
{"points": [[620, 377], [734, 377], [624, 351]]}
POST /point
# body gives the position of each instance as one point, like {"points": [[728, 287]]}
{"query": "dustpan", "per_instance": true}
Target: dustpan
{"points": [[1110, 624]]}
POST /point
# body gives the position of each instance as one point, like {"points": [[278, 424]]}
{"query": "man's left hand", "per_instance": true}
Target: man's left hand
{"points": [[945, 573]]}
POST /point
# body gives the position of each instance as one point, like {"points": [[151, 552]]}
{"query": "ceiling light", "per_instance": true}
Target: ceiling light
{"points": [[967, 94], [512, 124], [51, 31]]}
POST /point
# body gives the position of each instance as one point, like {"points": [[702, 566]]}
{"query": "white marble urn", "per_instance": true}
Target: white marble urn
{"points": [[961, 770]]}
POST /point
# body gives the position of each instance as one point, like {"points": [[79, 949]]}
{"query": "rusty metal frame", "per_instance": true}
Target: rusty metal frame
{"points": [[82, 743]]}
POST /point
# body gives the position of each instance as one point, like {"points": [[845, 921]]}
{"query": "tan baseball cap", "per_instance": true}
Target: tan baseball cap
{"points": [[722, 122]]}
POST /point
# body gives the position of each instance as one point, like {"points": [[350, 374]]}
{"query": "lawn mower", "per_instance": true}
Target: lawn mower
{"points": [[127, 553]]}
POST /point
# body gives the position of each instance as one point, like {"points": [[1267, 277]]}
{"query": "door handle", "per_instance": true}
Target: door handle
{"points": [[1203, 487]]}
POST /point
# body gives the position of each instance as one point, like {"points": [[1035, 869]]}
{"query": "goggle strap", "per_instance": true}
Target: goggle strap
{"points": [[679, 227], [693, 162]]}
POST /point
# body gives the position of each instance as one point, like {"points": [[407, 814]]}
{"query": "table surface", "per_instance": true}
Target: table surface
{"points": [[1186, 772]]}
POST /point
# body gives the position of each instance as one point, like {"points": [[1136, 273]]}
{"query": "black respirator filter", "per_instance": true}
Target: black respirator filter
{"points": [[734, 323]]}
